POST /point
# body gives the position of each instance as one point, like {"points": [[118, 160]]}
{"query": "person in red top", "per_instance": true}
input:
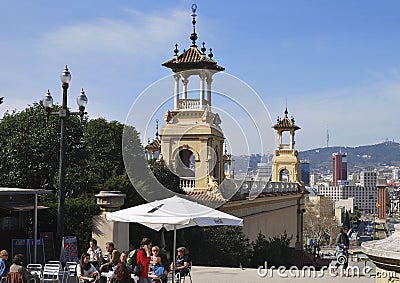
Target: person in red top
{"points": [[143, 260]]}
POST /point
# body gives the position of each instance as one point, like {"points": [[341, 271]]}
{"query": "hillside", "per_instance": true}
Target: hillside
{"points": [[385, 153]]}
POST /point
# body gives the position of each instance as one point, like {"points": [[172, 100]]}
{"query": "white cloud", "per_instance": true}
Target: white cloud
{"points": [[138, 34]]}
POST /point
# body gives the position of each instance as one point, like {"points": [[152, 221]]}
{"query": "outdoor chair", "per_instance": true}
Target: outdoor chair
{"points": [[51, 273], [181, 278], [35, 269], [56, 262], [15, 277], [70, 268]]}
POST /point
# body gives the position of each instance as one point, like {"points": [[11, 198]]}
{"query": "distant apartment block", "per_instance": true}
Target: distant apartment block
{"points": [[364, 197], [395, 174], [368, 178], [339, 168]]}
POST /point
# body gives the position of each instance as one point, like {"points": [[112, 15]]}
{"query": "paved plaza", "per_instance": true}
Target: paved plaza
{"points": [[248, 275]]}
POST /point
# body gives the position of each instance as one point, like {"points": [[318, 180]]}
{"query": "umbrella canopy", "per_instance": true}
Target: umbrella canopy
{"points": [[174, 213]]}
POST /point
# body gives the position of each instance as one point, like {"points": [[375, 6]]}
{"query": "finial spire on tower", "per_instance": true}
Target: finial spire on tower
{"points": [[193, 36], [176, 50], [203, 49], [157, 134]]}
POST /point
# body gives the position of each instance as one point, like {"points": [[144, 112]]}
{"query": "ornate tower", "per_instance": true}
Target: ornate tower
{"points": [[285, 163], [191, 138]]}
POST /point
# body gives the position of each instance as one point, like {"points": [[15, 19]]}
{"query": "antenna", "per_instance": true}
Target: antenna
{"points": [[327, 136]]}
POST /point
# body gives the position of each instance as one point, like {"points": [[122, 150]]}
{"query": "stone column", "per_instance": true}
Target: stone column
{"points": [[202, 83], [185, 82], [291, 139], [176, 91], [209, 82], [108, 231]]}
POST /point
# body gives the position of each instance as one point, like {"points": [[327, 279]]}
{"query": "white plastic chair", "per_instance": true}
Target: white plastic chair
{"points": [[181, 278], [51, 273], [35, 269], [70, 268], [56, 262]]}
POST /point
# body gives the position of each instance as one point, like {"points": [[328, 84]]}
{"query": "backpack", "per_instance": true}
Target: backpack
{"points": [[132, 261]]}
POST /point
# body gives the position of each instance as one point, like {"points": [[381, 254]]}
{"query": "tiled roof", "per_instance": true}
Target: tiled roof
{"points": [[153, 146], [192, 59], [207, 197], [245, 196], [285, 123]]}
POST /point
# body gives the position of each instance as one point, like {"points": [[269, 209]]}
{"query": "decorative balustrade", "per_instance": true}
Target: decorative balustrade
{"points": [[254, 188], [187, 183], [190, 103]]}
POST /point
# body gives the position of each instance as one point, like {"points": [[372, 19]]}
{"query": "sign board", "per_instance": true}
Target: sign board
{"points": [[20, 246], [27, 249], [69, 249]]}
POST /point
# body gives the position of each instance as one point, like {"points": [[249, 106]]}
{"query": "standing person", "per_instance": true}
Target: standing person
{"points": [[85, 271], [123, 270], [95, 253], [3, 267], [17, 267], [143, 260], [342, 247], [112, 257]]}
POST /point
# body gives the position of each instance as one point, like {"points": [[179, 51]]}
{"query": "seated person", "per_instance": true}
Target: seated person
{"points": [[3, 267], [157, 268], [112, 258], [182, 263], [122, 273], [85, 271], [17, 267]]}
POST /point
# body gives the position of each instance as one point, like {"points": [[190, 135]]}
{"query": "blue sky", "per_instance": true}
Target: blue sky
{"points": [[336, 63]]}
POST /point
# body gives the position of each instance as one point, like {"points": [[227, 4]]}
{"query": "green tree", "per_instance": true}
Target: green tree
{"points": [[275, 250], [78, 218], [29, 148], [229, 244], [166, 177]]}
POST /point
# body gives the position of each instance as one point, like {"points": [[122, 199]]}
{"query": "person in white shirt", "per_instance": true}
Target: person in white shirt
{"points": [[95, 253], [86, 271]]}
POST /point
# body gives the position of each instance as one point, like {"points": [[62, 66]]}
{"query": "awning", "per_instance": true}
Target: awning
{"points": [[20, 206], [17, 191]]}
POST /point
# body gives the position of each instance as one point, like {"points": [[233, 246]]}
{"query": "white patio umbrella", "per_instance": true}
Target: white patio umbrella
{"points": [[174, 213]]}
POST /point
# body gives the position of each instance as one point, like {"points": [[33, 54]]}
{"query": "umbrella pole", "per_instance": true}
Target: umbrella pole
{"points": [[174, 255]]}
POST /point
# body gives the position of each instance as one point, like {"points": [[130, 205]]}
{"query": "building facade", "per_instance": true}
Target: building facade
{"points": [[339, 168], [364, 197], [368, 177]]}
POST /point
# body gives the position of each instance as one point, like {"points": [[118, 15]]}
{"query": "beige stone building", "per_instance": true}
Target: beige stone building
{"points": [[191, 145]]}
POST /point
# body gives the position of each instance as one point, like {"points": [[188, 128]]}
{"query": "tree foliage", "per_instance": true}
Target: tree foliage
{"points": [[78, 218], [29, 158], [274, 250]]}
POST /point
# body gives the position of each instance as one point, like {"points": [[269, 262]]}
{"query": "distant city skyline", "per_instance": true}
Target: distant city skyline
{"points": [[334, 64]]}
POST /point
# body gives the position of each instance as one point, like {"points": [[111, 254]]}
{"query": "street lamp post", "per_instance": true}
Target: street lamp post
{"points": [[63, 114]]}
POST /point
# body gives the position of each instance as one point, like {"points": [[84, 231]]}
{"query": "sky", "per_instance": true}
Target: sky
{"points": [[334, 64]]}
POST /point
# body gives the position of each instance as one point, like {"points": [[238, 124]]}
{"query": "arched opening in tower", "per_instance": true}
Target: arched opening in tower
{"points": [[284, 175], [186, 163]]}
